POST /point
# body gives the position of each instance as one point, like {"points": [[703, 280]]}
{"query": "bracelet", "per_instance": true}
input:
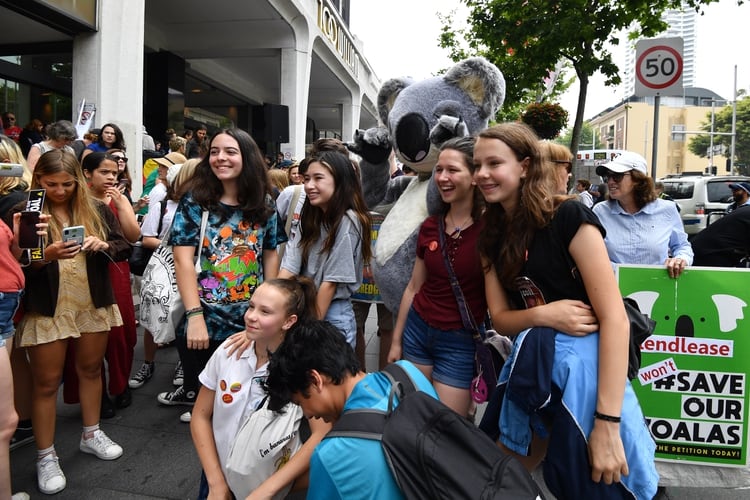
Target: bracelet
{"points": [[196, 311], [606, 418]]}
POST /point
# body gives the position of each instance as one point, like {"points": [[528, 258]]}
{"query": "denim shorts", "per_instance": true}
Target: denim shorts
{"points": [[341, 315], [449, 352], [9, 302]]}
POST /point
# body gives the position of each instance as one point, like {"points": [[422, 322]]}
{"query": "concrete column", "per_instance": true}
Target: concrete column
{"points": [[350, 112], [295, 79], [108, 71]]}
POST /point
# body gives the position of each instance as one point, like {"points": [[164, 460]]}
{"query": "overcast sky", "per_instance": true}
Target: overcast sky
{"points": [[401, 39]]}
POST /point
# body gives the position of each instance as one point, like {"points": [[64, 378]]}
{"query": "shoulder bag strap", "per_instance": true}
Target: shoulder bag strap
{"points": [[202, 234], [466, 318], [292, 208], [162, 211]]}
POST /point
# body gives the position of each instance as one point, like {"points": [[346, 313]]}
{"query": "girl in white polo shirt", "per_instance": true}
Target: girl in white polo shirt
{"points": [[232, 385]]}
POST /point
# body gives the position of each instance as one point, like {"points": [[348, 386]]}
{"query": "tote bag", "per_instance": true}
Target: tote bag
{"points": [[161, 304], [265, 443]]}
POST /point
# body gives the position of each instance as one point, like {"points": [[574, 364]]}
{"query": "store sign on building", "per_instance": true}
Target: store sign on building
{"points": [[332, 28]]}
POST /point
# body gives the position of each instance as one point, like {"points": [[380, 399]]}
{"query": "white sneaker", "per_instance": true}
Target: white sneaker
{"points": [[101, 446], [50, 477], [186, 417], [21, 495]]}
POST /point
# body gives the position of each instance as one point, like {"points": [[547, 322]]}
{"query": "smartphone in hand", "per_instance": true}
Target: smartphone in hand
{"points": [[27, 237], [73, 233]]}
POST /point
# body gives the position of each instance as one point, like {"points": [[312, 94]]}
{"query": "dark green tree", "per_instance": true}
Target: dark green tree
{"points": [[527, 39], [700, 144]]}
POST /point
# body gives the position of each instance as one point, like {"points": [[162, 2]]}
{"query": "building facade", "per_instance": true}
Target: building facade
{"points": [[629, 126], [288, 71]]}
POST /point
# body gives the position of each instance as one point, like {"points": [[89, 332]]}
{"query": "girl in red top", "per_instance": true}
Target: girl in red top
{"points": [[429, 331], [101, 172]]}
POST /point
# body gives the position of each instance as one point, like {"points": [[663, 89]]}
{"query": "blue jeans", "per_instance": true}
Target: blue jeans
{"points": [[449, 352], [9, 302]]}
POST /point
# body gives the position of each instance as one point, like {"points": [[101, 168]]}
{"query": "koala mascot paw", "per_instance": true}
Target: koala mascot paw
{"points": [[419, 117]]}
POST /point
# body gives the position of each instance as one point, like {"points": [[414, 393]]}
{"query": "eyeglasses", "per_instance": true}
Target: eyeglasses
{"points": [[568, 165], [615, 176], [121, 159]]}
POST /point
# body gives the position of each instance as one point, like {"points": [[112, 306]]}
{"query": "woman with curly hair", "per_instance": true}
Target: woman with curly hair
{"points": [[110, 137], [641, 228]]}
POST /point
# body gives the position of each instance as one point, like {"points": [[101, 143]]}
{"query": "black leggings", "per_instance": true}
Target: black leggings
{"points": [[194, 361]]}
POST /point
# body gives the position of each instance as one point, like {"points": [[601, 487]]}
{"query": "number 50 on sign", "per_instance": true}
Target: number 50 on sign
{"points": [[658, 67]]}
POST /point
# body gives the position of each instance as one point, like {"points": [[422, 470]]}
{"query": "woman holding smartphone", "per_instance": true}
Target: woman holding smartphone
{"points": [[100, 171], [70, 300]]}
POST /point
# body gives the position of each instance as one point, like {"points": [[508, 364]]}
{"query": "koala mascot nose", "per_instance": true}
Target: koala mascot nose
{"points": [[413, 137]]}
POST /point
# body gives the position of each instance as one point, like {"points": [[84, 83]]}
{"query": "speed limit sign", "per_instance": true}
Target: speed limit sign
{"points": [[658, 67]]}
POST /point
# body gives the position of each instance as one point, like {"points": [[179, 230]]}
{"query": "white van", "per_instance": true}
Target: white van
{"points": [[699, 196]]}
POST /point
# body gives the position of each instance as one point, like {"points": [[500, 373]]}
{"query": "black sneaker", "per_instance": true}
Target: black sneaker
{"points": [[142, 376], [22, 436], [107, 409], [179, 375], [124, 400], [177, 397]]}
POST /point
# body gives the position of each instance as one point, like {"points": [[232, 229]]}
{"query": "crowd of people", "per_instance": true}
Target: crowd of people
{"points": [[268, 261]]}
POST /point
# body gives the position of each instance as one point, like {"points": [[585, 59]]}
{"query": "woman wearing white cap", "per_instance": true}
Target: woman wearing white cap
{"points": [[641, 228]]}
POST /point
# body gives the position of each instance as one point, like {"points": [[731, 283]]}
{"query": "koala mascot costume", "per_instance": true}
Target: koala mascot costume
{"points": [[418, 118]]}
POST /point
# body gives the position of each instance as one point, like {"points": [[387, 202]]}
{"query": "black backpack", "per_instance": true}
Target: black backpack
{"points": [[433, 452]]}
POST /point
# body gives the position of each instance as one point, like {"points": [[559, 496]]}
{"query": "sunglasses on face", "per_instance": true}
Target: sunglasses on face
{"points": [[617, 177], [568, 165], [121, 159]]}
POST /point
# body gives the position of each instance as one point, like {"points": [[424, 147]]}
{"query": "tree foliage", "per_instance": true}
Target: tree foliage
{"points": [[527, 39], [587, 138], [699, 144]]}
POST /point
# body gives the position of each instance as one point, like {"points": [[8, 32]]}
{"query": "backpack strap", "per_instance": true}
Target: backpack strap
{"points": [[368, 423], [399, 376]]}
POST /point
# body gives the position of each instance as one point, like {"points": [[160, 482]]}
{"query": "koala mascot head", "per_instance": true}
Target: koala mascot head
{"points": [[420, 116]]}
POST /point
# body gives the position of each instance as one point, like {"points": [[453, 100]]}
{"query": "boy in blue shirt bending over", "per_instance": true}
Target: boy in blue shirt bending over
{"points": [[317, 369]]}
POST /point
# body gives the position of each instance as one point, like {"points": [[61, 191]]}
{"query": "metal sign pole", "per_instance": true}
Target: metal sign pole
{"points": [[655, 141]]}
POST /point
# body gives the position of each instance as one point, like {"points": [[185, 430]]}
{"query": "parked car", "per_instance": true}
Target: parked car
{"points": [[702, 198]]}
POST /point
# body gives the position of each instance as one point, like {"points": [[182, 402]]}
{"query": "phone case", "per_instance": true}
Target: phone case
{"points": [[27, 237], [74, 233]]}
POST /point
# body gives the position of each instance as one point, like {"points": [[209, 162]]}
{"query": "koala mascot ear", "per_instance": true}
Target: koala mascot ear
{"points": [[482, 81], [387, 96]]}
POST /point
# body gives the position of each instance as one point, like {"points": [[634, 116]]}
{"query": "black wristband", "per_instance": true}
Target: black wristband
{"points": [[606, 418]]}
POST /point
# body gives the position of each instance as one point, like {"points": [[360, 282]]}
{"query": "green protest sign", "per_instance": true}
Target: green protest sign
{"points": [[692, 385]]}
